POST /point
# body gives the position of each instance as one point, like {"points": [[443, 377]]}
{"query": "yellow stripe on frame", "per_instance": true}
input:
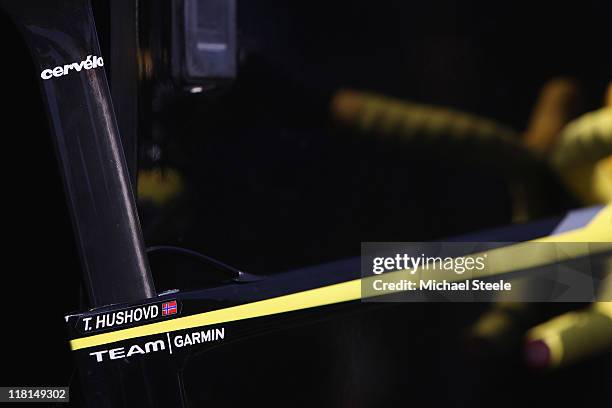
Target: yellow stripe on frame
{"points": [[338, 293], [598, 230]]}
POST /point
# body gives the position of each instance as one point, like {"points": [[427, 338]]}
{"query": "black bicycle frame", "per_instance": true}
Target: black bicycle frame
{"points": [[132, 346], [62, 39]]}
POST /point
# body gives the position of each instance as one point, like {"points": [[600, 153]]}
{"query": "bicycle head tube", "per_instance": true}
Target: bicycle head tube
{"points": [[62, 39]]}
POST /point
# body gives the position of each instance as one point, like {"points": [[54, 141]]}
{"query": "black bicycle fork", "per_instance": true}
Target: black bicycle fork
{"points": [[62, 39]]}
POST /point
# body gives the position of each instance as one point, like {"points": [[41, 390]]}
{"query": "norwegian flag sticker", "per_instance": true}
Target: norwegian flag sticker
{"points": [[169, 308]]}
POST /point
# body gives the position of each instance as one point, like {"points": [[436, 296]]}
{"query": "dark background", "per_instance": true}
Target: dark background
{"points": [[270, 186]]}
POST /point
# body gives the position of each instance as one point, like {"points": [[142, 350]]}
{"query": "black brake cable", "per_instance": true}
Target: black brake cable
{"points": [[236, 274]]}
